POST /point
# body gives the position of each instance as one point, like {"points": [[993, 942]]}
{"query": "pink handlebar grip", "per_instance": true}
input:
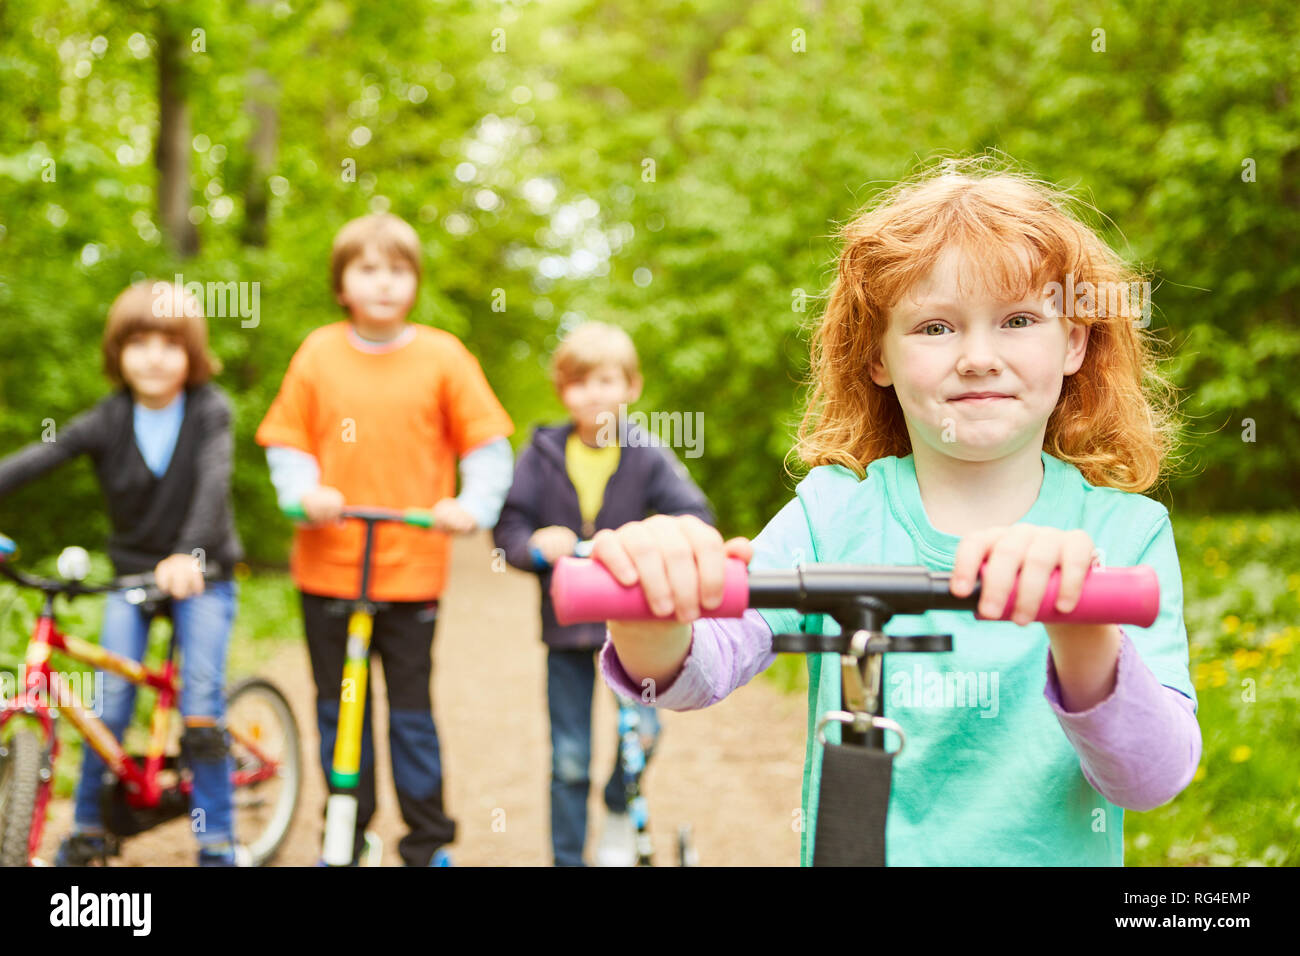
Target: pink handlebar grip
{"points": [[1109, 596], [584, 590]]}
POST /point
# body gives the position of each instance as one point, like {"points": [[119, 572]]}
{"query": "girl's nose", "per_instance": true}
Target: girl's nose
{"points": [[977, 355]]}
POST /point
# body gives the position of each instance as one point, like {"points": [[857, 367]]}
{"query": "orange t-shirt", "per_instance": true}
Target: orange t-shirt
{"points": [[386, 429]]}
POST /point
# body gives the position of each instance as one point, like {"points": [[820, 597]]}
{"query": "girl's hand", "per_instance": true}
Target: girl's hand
{"points": [[179, 576], [1027, 554], [678, 560], [448, 515], [553, 541], [323, 504]]}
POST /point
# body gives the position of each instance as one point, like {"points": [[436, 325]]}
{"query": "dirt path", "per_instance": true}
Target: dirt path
{"points": [[732, 771]]}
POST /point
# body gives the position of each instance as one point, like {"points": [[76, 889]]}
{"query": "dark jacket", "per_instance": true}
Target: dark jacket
{"points": [[188, 508], [649, 479]]}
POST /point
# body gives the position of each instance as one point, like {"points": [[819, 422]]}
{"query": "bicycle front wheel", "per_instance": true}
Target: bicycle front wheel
{"points": [[268, 766], [20, 784]]}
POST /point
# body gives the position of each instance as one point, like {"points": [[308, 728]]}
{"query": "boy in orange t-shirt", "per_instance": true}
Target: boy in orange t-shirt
{"points": [[375, 411]]}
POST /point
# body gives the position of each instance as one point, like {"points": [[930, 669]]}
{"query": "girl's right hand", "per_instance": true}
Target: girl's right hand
{"points": [[323, 504], [678, 560]]}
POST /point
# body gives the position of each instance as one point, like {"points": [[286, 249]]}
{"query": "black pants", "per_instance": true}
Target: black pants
{"points": [[403, 637]]}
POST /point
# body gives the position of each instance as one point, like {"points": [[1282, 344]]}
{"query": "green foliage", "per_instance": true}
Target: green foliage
{"points": [[1242, 807], [767, 124]]}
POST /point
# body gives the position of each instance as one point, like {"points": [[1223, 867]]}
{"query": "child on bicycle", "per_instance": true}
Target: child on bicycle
{"points": [[964, 415], [375, 411], [162, 446], [571, 480]]}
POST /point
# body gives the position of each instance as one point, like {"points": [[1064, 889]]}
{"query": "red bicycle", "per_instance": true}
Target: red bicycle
{"points": [[140, 791]]}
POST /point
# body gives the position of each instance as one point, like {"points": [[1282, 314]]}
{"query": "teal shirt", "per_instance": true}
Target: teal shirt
{"points": [[987, 777]]}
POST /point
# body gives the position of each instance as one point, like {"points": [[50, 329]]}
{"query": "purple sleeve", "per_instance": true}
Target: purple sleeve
{"points": [[725, 653], [1140, 746]]}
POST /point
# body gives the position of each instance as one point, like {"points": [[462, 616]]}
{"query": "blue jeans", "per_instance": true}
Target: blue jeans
{"points": [[570, 681], [202, 627]]}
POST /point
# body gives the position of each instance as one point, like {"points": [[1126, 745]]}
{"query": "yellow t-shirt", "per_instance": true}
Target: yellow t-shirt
{"points": [[589, 469]]}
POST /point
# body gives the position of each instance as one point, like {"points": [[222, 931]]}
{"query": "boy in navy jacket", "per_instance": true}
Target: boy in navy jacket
{"points": [[571, 481]]}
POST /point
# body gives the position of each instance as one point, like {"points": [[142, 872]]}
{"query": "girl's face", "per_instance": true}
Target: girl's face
{"points": [[154, 366], [378, 289], [945, 342]]}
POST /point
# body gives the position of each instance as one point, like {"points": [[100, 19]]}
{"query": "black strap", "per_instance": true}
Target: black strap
{"points": [[853, 805]]}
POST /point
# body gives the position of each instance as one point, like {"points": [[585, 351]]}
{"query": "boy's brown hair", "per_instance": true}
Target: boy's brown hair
{"points": [[394, 237], [156, 306], [589, 346]]}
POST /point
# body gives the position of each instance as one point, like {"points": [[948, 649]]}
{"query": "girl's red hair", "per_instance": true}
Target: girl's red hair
{"points": [[1115, 419]]}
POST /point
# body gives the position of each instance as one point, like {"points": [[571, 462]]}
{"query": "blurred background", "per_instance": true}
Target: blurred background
{"points": [[677, 168]]}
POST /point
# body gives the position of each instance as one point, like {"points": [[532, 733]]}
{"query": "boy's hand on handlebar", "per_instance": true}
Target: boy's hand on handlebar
{"points": [[1022, 556], [179, 575], [323, 504], [553, 541], [448, 515], [678, 560]]}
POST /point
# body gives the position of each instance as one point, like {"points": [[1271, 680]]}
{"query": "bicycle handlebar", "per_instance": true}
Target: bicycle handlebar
{"points": [[144, 584], [583, 590], [419, 517]]}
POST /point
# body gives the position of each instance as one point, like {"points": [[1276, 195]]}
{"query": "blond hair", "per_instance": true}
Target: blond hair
{"points": [[392, 235], [1115, 419], [157, 306], [589, 346]]}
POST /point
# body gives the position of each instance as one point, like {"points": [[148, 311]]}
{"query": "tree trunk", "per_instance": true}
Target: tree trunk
{"points": [[261, 146], [173, 148]]}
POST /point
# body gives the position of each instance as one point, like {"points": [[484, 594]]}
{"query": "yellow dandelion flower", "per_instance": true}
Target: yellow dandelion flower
{"points": [[1246, 660], [1211, 557], [1218, 679], [1231, 623], [1238, 533], [1279, 644], [1200, 773], [1240, 754]]}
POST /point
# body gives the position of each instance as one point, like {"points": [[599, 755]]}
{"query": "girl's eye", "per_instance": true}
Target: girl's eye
{"points": [[925, 330], [1028, 318]]}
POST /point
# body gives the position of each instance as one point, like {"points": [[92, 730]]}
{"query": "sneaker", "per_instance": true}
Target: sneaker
{"points": [[372, 853], [441, 858], [225, 854], [85, 849], [617, 846]]}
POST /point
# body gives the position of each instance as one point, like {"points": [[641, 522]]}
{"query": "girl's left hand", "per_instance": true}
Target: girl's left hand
{"points": [[179, 576], [1023, 553]]}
